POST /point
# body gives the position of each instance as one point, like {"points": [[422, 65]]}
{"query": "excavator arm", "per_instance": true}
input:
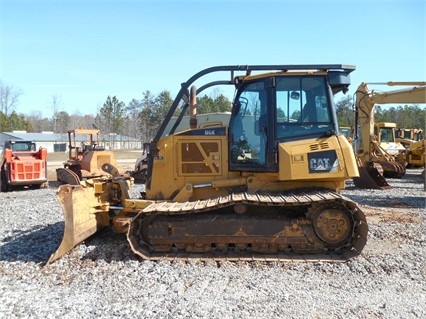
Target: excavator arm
{"points": [[367, 149]]}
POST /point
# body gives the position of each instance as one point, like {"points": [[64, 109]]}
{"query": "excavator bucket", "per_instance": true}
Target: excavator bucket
{"points": [[392, 169], [370, 177], [81, 216]]}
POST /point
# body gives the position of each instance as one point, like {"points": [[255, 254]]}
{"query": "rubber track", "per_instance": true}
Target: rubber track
{"points": [[358, 240]]}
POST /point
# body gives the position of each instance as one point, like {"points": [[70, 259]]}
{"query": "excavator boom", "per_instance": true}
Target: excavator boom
{"points": [[374, 162]]}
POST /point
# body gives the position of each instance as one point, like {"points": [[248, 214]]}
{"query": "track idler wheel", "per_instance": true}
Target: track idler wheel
{"points": [[333, 224]]}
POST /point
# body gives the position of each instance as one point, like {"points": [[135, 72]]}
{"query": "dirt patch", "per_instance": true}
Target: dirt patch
{"points": [[379, 246], [377, 215]]}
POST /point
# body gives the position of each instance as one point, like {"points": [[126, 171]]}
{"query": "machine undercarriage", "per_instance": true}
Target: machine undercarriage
{"points": [[320, 224]]}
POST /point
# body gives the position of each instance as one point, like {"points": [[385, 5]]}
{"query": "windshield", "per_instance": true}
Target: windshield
{"points": [[274, 109], [302, 107], [23, 146], [386, 135]]}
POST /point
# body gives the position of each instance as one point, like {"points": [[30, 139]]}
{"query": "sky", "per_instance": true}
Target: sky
{"points": [[83, 51]]}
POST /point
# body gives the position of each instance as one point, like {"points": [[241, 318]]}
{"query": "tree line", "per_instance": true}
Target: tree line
{"points": [[140, 118], [405, 116]]}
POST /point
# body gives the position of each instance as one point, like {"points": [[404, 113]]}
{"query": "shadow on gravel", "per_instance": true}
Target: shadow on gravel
{"points": [[35, 244], [388, 198], [411, 178], [108, 246], [38, 243]]}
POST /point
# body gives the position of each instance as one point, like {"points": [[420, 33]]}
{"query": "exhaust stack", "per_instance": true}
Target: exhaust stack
{"points": [[193, 108]]}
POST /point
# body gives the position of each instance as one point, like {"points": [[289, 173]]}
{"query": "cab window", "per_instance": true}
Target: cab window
{"points": [[248, 135], [302, 107]]}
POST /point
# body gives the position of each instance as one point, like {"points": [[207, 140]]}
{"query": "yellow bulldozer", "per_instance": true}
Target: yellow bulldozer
{"points": [[415, 145], [386, 134], [413, 134], [416, 153], [374, 162], [86, 158], [264, 186]]}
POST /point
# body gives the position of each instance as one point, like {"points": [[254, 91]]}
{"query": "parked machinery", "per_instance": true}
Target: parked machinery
{"points": [[416, 153], [141, 166], [371, 157], [22, 165], [386, 135], [347, 132], [414, 143], [264, 187], [409, 134], [86, 158]]}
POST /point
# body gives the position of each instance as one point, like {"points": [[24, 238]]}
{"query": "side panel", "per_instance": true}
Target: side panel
{"points": [[328, 158], [199, 157], [92, 161], [195, 157]]}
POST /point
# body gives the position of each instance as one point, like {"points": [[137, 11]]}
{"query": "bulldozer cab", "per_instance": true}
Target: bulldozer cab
{"points": [[273, 110], [289, 103], [409, 134], [90, 143]]}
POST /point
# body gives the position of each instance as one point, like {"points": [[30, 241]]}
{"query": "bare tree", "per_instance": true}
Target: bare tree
{"points": [[75, 121], [8, 98], [38, 122], [56, 101], [62, 120]]}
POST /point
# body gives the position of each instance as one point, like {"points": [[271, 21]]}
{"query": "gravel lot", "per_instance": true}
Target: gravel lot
{"points": [[102, 278]]}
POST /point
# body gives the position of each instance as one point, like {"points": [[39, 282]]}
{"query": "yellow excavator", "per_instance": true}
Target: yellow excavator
{"points": [[264, 186], [374, 162]]}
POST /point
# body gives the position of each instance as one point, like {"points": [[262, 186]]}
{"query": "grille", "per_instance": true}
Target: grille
{"points": [[320, 146]]}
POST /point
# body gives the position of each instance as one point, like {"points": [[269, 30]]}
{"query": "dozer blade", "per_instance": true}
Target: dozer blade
{"points": [[67, 176], [370, 177], [81, 216]]}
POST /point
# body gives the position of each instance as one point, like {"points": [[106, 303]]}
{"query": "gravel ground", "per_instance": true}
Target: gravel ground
{"points": [[102, 278]]}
